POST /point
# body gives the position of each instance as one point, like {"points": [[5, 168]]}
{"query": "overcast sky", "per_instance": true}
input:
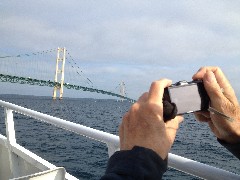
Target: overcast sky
{"points": [[132, 41]]}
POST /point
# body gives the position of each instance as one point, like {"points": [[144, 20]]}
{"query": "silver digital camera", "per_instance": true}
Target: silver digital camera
{"points": [[187, 96]]}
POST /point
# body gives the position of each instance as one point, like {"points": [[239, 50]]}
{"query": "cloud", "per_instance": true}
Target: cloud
{"points": [[139, 32], [134, 41]]}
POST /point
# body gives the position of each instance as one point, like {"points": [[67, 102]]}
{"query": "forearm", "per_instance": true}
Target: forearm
{"points": [[138, 163]]}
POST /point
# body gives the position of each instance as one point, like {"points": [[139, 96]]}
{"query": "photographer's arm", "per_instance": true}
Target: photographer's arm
{"points": [[223, 100], [145, 139]]}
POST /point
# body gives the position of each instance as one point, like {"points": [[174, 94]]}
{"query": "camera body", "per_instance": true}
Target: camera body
{"points": [[187, 96]]}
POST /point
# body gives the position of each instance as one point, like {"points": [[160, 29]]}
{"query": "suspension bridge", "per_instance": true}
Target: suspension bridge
{"points": [[22, 68]]}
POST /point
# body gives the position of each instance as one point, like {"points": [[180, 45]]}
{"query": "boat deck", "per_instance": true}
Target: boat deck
{"points": [[17, 162]]}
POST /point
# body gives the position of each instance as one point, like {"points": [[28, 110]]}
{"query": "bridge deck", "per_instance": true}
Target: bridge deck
{"points": [[38, 82]]}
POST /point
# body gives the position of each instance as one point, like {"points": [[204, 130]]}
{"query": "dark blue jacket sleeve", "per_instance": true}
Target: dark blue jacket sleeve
{"points": [[233, 148], [138, 163]]}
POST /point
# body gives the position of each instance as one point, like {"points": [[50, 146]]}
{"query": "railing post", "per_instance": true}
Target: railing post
{"points": [[11, 139], [10, 130], [112, 149]]}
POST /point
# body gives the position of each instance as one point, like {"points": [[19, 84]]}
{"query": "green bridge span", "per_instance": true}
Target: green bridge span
{"points": [[38, 82]]}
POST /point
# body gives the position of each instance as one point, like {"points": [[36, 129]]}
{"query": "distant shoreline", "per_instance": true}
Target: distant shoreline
{"points": [[19, 96]]}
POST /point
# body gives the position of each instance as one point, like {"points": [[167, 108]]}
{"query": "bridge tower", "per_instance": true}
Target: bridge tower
{"points": [[60, 63], [122, 90]]}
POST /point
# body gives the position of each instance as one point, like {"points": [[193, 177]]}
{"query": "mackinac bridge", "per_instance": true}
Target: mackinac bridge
{"points": [[54, 68]]}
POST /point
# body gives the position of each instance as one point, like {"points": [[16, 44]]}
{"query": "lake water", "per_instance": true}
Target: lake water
{"points": [[87, 159]]}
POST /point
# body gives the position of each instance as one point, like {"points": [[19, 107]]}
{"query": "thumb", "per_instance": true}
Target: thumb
{"points": [[172, 127], [212, 87]]}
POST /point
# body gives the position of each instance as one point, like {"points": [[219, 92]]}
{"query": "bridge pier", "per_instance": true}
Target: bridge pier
{"points": [[60, 64]]}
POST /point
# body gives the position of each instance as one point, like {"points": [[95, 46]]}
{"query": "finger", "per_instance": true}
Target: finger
{"points": [[157, 89], [221, 80], [174, 123], [206, 114], [172, 127], [220, 77], [143, 97], [202, 117], [225, 86], [214, 129], [213, 89], [202, 71]]}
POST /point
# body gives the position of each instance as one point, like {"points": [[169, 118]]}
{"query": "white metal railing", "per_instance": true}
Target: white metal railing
{"points": [[112, 141]]}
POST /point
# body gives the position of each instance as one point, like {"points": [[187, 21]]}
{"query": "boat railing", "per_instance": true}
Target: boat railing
{"points": [[112, 141]]}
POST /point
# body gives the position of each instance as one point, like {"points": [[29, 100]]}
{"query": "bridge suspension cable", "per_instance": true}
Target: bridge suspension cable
{"points": [[79, 72], [34, 64], [29, 54]]}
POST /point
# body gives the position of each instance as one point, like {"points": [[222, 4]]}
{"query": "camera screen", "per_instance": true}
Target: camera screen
{"points": [[189, 98]]}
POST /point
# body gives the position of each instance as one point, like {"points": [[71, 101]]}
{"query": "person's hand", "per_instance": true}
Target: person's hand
{"points": [[143, 124], [222, 99]]}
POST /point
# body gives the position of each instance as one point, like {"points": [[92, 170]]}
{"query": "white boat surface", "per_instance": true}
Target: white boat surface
{"points": [[16, 162]]}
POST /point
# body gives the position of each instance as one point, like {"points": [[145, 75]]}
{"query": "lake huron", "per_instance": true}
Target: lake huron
{"points": [[87, 159]]}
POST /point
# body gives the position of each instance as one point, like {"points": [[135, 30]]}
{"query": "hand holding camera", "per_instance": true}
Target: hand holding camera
{"points": [[143, 124], [224, 101], [212, 100]]}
